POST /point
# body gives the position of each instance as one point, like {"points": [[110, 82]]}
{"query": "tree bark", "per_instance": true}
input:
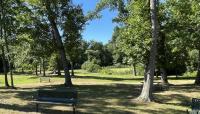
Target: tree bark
{"points": [[40, 67], [59, 43], [147, 90], [43, 67], [36, 69], [5, 67], [134, 69], [72, 69], [9, 59], [2, 47], [162, 58], [197, 80], [164, 76], [11, 75], [58, 66], [156, 72]]}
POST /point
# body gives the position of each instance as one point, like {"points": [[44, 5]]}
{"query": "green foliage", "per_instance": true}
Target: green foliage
{"points": [[73, 26], [190, 74], [122, 70], [99, 54], [106, 71], [117, 71], [53, 62], [132, 39], [90, 67], [192, 62]]}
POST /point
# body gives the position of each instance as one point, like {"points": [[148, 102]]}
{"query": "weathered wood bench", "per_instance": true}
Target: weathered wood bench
{"points": [[45, 79], [57, 97], [195, 106]]}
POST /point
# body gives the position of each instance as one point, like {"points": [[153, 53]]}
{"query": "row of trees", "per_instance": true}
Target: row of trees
{"points": [[46, 34], [33, 31], [158, 34], [149, 32]]}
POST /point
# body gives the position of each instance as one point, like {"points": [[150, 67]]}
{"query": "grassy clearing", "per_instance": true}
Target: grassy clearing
{"points": [[100, 94]]}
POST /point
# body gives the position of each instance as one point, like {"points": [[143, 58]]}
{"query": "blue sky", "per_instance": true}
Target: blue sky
{"points": [[98, 29]]}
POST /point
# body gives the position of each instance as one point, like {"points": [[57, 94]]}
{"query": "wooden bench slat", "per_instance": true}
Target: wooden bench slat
{"points": [[55, 103], [59, 100], [58, 93]]}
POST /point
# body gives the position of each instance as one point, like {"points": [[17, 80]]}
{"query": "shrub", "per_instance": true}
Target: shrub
{"points": [[190, 74], [91, 67], [106, 71]]}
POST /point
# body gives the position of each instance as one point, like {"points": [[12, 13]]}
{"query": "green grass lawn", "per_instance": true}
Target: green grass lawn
{"points": [[100, 94]]}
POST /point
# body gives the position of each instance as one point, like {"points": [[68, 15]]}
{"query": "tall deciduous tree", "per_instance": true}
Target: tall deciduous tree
{"points": [[147, 90], [73, 27], [9, 27], [52, 19]]}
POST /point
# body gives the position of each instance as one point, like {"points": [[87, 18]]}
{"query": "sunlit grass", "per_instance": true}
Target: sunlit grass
{"points": [[101, 94]]}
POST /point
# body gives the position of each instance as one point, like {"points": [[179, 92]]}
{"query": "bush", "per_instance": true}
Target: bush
{"points": [[190, 74], [91, 67], [106, 71]]}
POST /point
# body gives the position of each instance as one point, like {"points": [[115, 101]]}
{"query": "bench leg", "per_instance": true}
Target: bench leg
{"points": [[37, 106], [74, 109]]}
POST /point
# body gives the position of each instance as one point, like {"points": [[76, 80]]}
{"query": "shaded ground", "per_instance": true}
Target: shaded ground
{"points": [[99, 95]]}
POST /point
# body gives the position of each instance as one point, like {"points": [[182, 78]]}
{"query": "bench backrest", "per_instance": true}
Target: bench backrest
{"points": [[195, 104], [68, 94]]}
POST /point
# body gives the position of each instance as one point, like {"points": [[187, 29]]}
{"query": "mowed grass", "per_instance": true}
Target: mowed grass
{"points": [[100, 94]]}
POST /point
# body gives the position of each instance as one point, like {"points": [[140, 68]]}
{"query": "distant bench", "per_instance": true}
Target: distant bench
{"points": [[195, 106], [45, 79], [57, 97]]}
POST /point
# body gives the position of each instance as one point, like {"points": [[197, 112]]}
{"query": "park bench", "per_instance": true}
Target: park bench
{"points": [[195, 106], [56, 97], [45, 79]]}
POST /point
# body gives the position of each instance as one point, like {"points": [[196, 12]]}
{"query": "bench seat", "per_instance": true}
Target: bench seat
{"points": [[45, 100]]}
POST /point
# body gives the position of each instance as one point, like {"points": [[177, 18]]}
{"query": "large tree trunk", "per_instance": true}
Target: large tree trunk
{"points": [[59, 43], [43, 67], [36, 69], [72, 69], [58, 66], [5, 67], [197, 80], [162, 58], [9, 60], [134, 70], [2, 47], [40, 68], [147, 90], [11, 75], [164, 76]]}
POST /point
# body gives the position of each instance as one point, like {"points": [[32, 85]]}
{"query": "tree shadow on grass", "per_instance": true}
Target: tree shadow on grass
{"points": [[29, 108], [109, 78], [185, 88], [103, 99], [181, 100], [92, 99], [162, 111], [15, 107]]}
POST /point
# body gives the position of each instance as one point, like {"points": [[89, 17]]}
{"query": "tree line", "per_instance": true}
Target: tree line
{"points": [[46, 34]]}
